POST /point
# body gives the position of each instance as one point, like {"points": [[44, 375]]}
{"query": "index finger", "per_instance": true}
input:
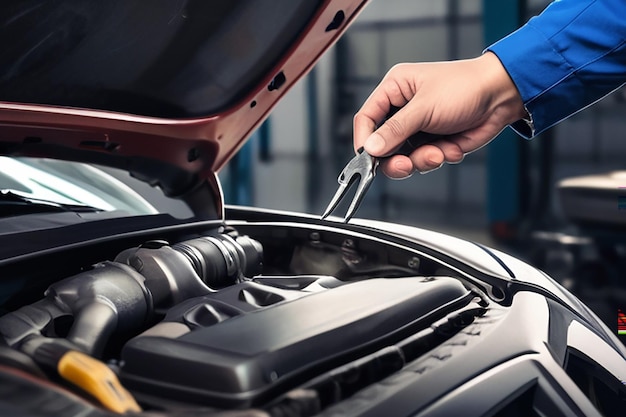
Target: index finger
{"points": [[375, 110], [367, 119]]}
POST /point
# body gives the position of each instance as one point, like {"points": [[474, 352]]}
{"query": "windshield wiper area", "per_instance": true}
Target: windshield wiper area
{"points": [[14, 204]]}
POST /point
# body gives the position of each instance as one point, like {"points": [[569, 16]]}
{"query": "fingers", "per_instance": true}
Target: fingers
{"points": [[397, 167], [364, 125], [394, 131], [421, 92], [424, 159], [373, 112], [452, 151], [395, 90]]}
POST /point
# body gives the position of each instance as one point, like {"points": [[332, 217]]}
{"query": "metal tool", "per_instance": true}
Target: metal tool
{"points": [[361, 168]]}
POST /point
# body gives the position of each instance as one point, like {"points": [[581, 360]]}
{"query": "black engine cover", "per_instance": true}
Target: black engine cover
{"points": [[247, 343]]}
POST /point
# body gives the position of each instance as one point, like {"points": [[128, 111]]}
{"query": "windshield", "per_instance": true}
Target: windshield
{"points": [[76, 185]]}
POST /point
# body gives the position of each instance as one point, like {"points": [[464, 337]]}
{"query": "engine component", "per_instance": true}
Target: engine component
{"points": [[211, 350], [109, 297], [222, 260], [218, 260], [124, 295], [87, 373]]}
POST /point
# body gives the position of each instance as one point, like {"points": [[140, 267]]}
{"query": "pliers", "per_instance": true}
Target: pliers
{"points": [[362, 168]]}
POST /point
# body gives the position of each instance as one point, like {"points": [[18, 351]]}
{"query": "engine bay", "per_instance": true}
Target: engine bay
{"points": [[283, 318]]}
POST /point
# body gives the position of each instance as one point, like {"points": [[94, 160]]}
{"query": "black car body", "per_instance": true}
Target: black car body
{"points": [[237, 311]]}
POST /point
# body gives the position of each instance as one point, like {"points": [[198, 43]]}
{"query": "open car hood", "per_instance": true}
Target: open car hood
{"points": [[168, 90]]}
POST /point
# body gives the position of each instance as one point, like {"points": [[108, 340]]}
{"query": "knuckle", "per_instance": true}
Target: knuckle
{"points": [[394, 91], [457, 158], [397, 68], [359, 118], [395, 127], [453, 153]]}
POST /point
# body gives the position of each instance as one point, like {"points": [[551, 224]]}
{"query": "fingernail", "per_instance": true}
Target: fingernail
{"points": [[432, 161], [404, 168], [374, 144], [432, 169]]}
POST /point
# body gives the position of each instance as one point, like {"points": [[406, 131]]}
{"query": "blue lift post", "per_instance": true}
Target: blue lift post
{"points": [[504, 155], [238, 183], [312, 153]]}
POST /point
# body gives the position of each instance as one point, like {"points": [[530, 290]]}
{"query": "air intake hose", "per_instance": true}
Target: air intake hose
{"points": [[123, 295]]}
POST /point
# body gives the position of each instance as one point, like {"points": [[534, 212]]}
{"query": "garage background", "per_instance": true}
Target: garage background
{"points": [[502, 190]]}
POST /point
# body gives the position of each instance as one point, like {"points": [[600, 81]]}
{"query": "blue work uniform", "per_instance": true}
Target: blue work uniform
{"points": [[570, 56]]}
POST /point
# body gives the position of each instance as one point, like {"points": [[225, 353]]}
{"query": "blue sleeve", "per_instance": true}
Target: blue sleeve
{"points": [[565, 59]]}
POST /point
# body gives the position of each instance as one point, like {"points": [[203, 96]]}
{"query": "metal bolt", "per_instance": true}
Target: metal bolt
{"points": [[414, 262], [314, 236], [349, 252]]}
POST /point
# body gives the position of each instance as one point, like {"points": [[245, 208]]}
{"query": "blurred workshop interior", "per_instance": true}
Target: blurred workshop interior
{"points": [[505, 195]]}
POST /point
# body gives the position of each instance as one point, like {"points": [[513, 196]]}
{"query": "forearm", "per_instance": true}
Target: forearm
{"points": [[567, 58]]}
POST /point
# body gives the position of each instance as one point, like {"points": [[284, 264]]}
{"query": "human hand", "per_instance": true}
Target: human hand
{"points": [[465, 103]]}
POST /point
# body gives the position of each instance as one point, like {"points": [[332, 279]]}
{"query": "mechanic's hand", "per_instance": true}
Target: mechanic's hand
{"points": [[467, 102]]}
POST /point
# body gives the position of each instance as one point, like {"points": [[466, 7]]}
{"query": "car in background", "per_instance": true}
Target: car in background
{"points": [[127, 287]]}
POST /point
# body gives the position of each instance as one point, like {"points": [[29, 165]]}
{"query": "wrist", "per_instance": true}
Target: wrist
{"points": [[506, 100]]}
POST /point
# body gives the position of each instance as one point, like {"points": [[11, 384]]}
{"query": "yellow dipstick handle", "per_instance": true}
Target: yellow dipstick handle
{"points": [[98, 380]]}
